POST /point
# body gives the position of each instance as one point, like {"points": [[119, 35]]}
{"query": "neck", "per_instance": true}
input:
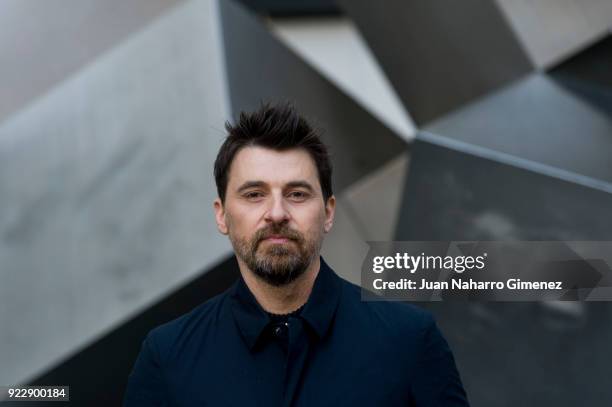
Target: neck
{"points": [[285, 299]]}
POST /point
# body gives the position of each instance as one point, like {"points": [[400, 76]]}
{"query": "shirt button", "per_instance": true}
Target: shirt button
{"points": [[280, 330]]}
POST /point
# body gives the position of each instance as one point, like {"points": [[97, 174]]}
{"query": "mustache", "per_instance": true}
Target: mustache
{"points": [[277, 230]]}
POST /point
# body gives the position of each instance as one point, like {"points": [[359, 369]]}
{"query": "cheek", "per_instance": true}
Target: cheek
{"points": [[241, 225], [314, 223]]}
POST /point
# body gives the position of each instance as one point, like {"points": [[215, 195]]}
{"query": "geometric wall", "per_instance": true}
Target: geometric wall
{"points": [[42, 45], [105, 179], [454, 192], [441, 55], [107, 145], [528, 161]]}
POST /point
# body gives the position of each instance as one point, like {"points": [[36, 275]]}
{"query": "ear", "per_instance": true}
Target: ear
{"points": [[220, 216], [330, 210]]}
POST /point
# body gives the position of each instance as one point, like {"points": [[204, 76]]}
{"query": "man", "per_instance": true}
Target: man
{"points": [[289, 332]]}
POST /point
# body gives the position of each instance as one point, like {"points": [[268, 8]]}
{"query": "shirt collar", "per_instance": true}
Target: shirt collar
{"points": [[318, 311]]}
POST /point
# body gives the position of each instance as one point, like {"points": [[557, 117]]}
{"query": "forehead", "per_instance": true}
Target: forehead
{"points": [[256, 163]]}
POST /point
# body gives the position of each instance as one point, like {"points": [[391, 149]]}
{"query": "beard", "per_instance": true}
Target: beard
{"points": [[277, 264]]}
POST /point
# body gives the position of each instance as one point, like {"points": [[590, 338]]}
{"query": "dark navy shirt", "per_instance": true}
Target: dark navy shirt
{"points": [[340, 351]]}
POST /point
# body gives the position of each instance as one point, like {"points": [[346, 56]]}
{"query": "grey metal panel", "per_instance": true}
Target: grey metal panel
{"points": [[440, 54], [593, 65], [106, 190], [455, 195], [588, 75], [374, 200], [336, 49], [293, 8], [552, 30], [44, 42], [509, 354], [344, 247], [539, 120], [260, 68]]}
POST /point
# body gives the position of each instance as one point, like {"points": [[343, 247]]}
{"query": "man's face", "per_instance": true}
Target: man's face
{"points": [[274, 212]]}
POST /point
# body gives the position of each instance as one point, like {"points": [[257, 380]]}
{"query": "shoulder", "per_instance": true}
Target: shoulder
{"points": [[397, 325], [164, 337], [394, 317]]}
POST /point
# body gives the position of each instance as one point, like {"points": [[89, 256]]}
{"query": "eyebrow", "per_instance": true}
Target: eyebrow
{"points": [[258, 184]]}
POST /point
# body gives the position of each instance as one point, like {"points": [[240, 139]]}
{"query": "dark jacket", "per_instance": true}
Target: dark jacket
{"points": [[341, 351]]}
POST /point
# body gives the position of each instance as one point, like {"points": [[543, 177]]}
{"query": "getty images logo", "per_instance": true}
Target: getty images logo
{"points": [[412, 264]]}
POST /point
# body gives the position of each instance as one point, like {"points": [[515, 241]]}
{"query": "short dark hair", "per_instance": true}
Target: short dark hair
{"points": [[279, 127]]}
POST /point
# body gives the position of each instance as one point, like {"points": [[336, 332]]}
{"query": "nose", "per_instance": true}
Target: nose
{"points": [[277, 212]]}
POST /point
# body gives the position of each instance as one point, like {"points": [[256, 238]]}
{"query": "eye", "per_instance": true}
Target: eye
{"points": [[253, 195], [298, 195]]}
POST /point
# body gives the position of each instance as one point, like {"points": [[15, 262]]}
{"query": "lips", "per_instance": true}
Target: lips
{"points": [[277, 239]]}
